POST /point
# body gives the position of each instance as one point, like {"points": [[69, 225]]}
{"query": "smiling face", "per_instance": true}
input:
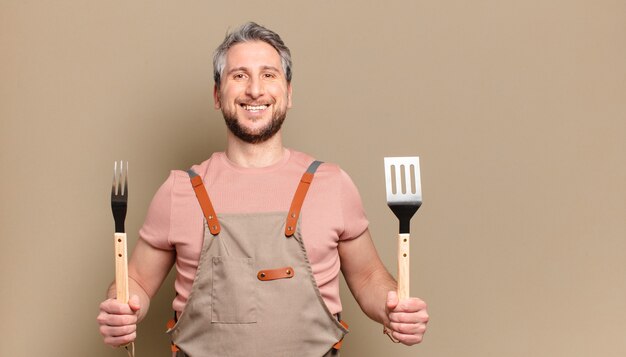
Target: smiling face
{"points": [[254, 94]]}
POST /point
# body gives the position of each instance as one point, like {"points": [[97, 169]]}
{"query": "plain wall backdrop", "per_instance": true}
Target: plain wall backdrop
{"points": [[516, 108]]}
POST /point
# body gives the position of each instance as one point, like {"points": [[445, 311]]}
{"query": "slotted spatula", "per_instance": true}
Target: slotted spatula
{"points": [[404, 197]]}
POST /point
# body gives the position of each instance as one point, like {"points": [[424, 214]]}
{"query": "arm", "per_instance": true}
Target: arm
{"points": [[366, 275], [374, 290], [147, 269]]}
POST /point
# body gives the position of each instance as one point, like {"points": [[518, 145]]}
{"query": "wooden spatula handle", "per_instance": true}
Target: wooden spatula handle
{"points": [[121, 267], [403, 266]]}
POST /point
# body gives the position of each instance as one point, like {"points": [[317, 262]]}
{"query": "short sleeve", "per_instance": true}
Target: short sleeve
{"points": [[354, 219], [156, 227]]}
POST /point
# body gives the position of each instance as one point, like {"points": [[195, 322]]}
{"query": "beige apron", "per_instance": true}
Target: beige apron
{"points": [[254, 293]]}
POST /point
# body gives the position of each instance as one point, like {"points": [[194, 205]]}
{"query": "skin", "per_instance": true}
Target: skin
{"points": [[265, 89], [253, 76]]}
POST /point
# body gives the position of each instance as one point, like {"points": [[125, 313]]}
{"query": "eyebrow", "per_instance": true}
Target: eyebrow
{"points": [[245, 69], [270, 68]]}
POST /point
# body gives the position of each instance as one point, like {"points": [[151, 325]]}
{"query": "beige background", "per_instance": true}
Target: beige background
{"points": [[516, 108]]}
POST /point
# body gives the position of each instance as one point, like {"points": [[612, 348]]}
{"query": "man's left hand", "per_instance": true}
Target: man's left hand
{"points": [[407, 319]]}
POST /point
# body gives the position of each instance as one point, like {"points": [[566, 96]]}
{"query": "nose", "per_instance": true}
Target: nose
{"points": [[255, 88]]}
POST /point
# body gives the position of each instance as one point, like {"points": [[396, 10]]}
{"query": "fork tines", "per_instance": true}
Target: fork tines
{"points": [[120, 180], [119, 195]]}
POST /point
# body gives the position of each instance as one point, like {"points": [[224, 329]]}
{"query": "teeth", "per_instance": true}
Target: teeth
{"points": [[255, 107]]}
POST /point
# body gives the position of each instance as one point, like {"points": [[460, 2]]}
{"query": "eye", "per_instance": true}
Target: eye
{"points": [[269, 75], [239, 76]]}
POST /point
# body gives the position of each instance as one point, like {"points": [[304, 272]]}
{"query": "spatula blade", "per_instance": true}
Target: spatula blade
{"points": [[402, 177]]}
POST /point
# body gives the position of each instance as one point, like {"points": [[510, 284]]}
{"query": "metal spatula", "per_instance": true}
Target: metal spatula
{"points": [[404, 197]]}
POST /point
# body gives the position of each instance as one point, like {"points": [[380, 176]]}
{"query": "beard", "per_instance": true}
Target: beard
{"points": [[254, 136]]}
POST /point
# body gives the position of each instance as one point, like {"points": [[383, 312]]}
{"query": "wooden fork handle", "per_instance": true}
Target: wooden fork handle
{"points": [[121, 267], [403, 266]]}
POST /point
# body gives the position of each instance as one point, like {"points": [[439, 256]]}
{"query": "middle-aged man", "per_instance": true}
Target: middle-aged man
{"points": [[258, 233]]}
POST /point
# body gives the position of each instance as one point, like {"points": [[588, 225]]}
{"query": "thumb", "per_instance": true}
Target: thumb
{"points": [[134, 303], [392, 300]]}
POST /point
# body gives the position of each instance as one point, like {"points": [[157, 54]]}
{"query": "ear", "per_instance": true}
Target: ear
{"points": [[289, 95], [216, 98]]}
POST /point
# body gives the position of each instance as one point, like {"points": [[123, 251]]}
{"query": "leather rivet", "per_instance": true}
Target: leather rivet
{"points": [[262, 275], [293, 215], [210, 217], [214, 227], [288, 272], [290, 228]]}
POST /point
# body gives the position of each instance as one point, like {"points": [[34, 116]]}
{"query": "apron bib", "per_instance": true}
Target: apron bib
{"points": [[254, 293]]}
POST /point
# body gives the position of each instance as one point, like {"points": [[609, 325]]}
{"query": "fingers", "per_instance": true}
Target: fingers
{"points": [[392, 300], [118, 335], [134, 303], [419, 316], [118, 321], [409, 305], [408, 333], [113, 306], [407, 319], [120, 341], [408, 339]]}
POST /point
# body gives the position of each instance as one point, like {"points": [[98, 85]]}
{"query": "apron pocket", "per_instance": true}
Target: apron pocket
{"points": [[233, 295]]}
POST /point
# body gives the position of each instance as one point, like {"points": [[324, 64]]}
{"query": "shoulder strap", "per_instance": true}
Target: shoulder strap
{"points": [[298, 198], [205, 202]]}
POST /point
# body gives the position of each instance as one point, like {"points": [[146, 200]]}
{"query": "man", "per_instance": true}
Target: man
{"points": [[258, 233]]}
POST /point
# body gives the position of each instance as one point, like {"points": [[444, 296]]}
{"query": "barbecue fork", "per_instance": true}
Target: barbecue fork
{"points": [[119, 205]]}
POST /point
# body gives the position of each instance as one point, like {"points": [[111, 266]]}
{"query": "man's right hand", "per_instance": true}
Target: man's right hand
{"points": [[118, 321]]}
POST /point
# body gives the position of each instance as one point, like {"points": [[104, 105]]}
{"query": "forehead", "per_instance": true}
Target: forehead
{"points": [[255, 54]]}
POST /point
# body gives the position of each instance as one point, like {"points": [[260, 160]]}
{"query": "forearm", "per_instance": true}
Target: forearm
{"points": [[371, 294], [366, 275], [374, 289]]}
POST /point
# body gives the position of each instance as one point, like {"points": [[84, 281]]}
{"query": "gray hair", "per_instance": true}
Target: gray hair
{"points": [[248, 32]]}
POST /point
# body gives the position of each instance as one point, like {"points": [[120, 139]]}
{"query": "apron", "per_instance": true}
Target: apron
{"points": [[254, 293]]}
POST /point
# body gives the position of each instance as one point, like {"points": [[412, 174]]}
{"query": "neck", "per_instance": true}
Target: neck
{"points": [[254, 155]]}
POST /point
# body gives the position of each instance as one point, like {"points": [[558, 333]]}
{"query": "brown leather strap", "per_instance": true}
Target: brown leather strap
{"points": [[170, 324], [298, 198], [273, 274], [205, 203], [340, 342]]}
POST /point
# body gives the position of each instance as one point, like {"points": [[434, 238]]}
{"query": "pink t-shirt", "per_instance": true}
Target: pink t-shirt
{"points": [[332, 211]]}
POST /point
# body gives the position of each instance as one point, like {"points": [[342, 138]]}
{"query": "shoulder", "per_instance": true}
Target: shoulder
{"points": [[180, 177], [326, 169], [178, 186], [329, 176], [203, 167]]}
